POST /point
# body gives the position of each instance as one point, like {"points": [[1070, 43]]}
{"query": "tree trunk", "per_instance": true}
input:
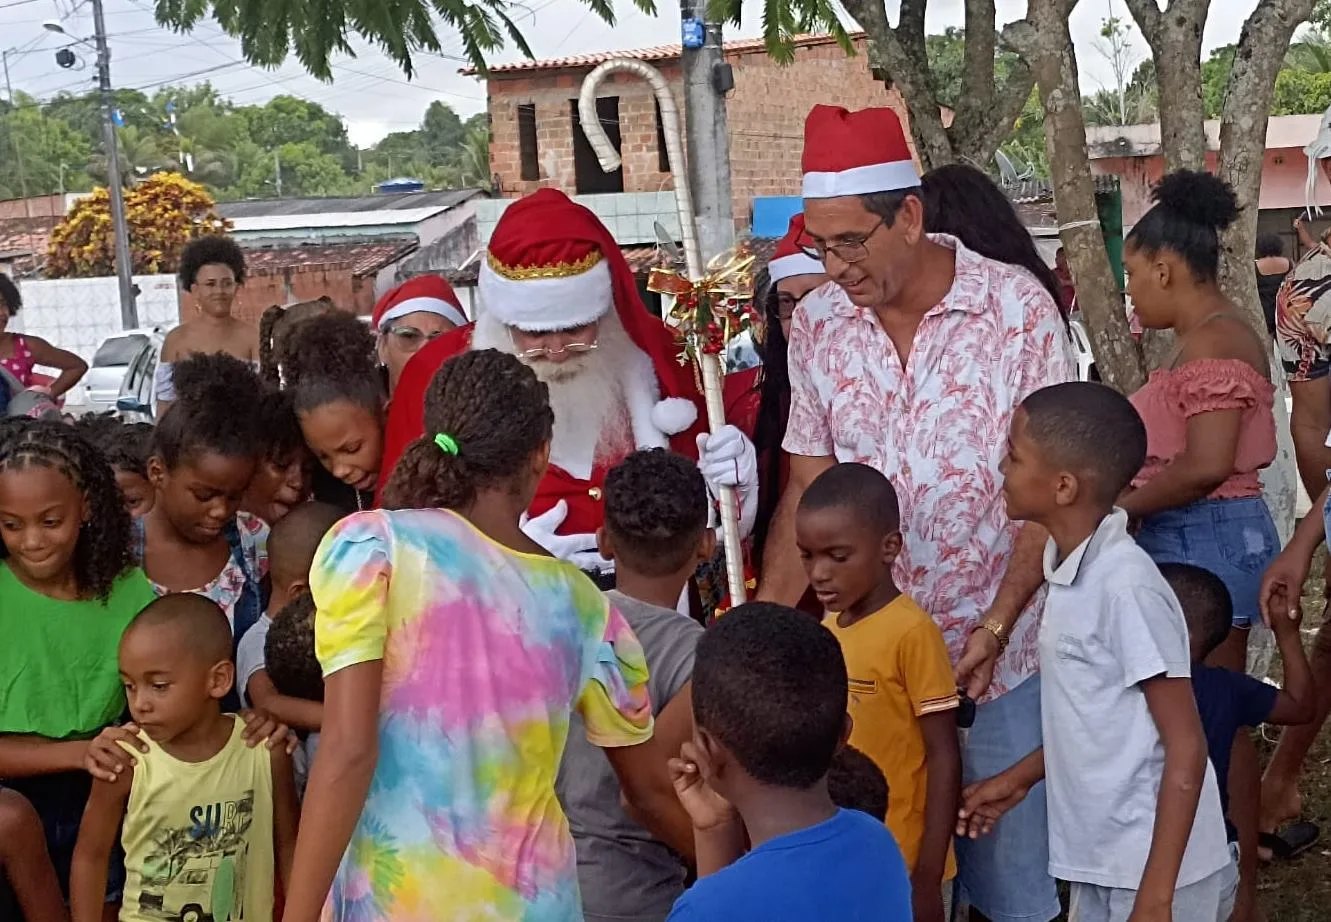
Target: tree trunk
{"points": [[1045, 42], [987, 112], [1175, 37], [1257, 61]]}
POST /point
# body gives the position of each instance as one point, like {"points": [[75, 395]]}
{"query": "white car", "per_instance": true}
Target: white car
{"points": [[136, 399], [111, 363]]}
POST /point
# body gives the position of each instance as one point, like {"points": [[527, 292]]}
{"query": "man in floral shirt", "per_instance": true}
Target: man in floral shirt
{"points": [[913, 361]]}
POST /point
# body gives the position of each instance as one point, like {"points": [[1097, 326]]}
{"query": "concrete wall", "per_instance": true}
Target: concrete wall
{"points": [[265, 288], [766, 114]]}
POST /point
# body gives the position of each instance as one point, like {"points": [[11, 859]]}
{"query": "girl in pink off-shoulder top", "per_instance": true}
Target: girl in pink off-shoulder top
{"points": [[1208, 412], [1209, 429]]}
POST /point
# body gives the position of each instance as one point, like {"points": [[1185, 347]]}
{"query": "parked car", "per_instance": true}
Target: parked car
{"points": [[136, 398], [112, 361]]}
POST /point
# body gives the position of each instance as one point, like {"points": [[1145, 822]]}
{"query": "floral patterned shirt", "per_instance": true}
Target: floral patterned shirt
{"points": [[226, 588], [937, 428]]}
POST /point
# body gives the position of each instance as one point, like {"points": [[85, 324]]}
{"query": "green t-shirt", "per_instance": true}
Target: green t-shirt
{"points": [[59, 677]]}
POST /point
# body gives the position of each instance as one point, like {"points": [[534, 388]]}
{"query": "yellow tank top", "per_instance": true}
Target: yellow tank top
{"points": [[198, 836]]}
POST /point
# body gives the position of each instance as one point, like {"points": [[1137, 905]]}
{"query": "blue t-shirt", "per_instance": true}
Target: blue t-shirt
{"points": [[1228, 701], [846, 868]]}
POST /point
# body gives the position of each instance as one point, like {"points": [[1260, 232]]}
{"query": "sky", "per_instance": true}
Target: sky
{"points": [[371, 93]]}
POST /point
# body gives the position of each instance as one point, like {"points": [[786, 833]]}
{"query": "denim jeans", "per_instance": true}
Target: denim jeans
{"points": [[1235, 539]]}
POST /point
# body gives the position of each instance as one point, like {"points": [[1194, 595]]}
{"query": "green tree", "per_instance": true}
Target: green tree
{"points": [[270, 31], [441, 134], [289, 120], [38, 152]]}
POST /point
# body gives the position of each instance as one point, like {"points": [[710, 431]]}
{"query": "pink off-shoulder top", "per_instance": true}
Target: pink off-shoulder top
{"points": [[1173, 396]]}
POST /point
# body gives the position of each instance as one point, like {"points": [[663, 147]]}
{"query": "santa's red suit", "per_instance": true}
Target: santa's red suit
{"points": [[552, 265]]}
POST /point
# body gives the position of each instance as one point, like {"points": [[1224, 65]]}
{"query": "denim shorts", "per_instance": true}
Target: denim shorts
{"points": [[59, 800], [1005, 875], [1235, 539]]}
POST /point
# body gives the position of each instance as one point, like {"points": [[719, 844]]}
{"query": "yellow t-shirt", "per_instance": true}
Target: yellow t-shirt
{"points": [[899, 671], [198, 836]]}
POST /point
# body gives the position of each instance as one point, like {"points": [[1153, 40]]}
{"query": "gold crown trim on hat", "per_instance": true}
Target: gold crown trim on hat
{"points": [[562, 270]]}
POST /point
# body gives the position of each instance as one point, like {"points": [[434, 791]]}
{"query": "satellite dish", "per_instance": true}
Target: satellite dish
{"points": [[667, 244], [1009, 172]]}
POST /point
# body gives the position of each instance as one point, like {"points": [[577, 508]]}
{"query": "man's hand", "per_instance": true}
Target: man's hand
{"points": [[975, 670], [729, 459], [707, 809], [262, 727], [579, 550], [105, 759], [983, 803]]}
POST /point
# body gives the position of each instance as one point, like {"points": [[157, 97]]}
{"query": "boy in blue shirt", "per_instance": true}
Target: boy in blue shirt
{"points": [[1228, 702], [769, 710]]}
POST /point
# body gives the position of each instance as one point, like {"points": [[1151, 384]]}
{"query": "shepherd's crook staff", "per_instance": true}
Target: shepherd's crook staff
{"points": [[709, 364]]}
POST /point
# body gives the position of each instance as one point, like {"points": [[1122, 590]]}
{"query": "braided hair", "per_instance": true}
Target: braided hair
{"points": [[103, 550], [216, 411], [126, 445], [496, 412], [330, 357], [275, 324]]}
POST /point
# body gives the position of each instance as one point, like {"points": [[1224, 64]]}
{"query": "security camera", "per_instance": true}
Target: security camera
{"points": [[66, 58]]}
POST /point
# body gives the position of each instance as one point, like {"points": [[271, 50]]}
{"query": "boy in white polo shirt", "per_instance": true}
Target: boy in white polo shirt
{"points": [[1134, 811]]}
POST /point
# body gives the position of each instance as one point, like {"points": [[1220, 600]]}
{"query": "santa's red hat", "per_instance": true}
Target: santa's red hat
{"points": [[789, 258], [429, 294], [552, 265], [855, 153]]}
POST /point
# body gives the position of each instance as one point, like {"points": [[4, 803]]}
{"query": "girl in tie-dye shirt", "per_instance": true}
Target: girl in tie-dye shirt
{"points": [[453, 652]]}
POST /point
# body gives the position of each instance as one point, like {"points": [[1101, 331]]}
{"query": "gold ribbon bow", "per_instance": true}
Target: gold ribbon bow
{"points": [[711, 311]]}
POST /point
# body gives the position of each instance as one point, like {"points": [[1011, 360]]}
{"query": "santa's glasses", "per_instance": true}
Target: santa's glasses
{"points": [[556, 348]]}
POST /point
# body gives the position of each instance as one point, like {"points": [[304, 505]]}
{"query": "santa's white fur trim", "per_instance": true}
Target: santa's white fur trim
{"points": [[784, 267], [541, 305], [674, 414]]}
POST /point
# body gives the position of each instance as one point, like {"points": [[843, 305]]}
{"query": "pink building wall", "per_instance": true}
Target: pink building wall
{"points": [[1283, 176]]}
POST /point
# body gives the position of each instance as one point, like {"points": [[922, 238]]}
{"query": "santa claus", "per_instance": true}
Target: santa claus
{"points": [[556, 292]]}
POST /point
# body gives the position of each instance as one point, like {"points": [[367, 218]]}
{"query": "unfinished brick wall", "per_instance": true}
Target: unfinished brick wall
{"points": [[265, 288], [766, 114]]}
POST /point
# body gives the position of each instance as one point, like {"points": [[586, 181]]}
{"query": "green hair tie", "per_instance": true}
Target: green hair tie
{"points": [[447, 444]]}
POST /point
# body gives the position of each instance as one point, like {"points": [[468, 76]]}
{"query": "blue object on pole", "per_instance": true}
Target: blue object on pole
{"points": [[772, 214], [691, 33], [117, 118]]}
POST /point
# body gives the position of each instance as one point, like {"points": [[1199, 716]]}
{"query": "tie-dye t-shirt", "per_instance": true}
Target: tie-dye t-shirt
{"points": [[486, 651]]}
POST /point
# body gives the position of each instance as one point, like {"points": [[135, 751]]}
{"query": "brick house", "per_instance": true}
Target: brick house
{"points": [[537, 141]]}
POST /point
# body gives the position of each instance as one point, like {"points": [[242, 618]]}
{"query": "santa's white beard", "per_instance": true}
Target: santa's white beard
{"points": [[586, 392]]}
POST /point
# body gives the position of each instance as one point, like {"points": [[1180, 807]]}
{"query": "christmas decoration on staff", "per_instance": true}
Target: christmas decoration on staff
{"points": [[711, 304]]}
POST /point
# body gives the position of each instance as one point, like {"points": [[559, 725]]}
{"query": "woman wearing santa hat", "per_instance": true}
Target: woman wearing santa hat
{"points": [[411, 315]]}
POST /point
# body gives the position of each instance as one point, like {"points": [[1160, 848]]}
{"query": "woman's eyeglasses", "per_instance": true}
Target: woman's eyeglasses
{"points": [[410, 339]]}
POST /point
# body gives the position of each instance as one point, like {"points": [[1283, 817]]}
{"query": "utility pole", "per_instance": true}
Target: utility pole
{"points": [[18, 151], [129, 314], [277, 171], [707, 78]]}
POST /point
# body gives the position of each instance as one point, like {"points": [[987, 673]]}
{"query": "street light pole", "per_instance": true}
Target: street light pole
{"points": [[18, 151], [129, 314], [707, 79]]}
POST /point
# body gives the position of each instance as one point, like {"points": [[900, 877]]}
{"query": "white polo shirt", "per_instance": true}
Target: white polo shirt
{"points": [[1110, 623]]}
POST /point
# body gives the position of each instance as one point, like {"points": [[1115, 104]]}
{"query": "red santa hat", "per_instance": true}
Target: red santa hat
{"points": [[789, 259], [429, 294], [552, 265], [855, 153]]}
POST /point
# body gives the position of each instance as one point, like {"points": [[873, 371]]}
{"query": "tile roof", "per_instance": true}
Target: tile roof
{"points": [[362, 258], [653, 53], [25, 241], [393, 201]]}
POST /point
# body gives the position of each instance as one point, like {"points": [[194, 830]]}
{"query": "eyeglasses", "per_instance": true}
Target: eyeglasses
{"points": [[786, 304], [849, 250], [545, 352], [411, 339]]}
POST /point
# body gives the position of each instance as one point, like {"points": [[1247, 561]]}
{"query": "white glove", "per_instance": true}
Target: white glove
{"points": [[579, 550], [728, 459]]}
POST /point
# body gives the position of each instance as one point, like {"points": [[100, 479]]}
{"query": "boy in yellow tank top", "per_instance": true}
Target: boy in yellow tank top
{"points": [[903, 697], [208, 823]]}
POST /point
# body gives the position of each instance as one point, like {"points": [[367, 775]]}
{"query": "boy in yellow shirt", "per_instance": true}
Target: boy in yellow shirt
{"points": [[208, 822], [903, 698]]}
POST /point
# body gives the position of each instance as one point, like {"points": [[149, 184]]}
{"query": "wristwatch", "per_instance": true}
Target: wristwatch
{"points": [[995, 627]]}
